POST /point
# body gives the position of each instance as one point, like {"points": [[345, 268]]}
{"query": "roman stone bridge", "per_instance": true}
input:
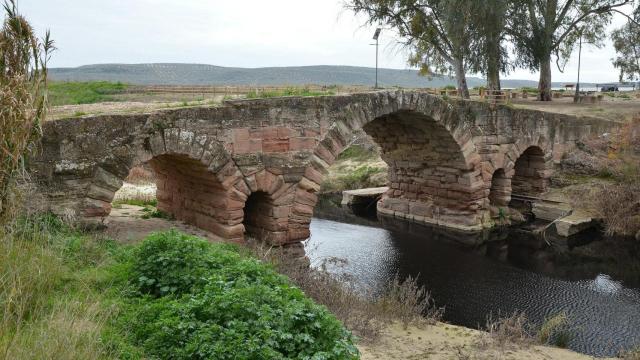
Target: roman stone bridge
{"points": [[255, 166]]}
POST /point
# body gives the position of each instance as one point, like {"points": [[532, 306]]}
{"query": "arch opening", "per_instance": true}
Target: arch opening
{"points": [[500, 192], [531, 176], [428, 177], [188, 191], [263, 219]]}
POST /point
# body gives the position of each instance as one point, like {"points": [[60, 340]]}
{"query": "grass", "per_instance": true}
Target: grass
{"points": [[53, 302], [256, 94], [516, 329], [65, 294], [555, 331], [361, 177], [75, 93], [357, 153], [155, 213], [136, 202]]}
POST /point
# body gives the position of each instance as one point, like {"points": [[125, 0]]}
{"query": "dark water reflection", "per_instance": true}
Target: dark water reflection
{"points": [[498, 274]]}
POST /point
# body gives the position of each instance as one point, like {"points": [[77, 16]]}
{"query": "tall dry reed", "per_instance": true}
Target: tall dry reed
{"points": [[23, 99]]}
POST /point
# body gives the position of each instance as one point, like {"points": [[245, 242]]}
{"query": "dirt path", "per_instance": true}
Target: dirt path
{"points": [[127, 225], [610, 108], [444, 341]]}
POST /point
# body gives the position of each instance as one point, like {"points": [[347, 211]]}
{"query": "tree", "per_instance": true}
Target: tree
{"points": [[488, 21], [23, 101], [542, 29], [434, 30], [626, 41]]}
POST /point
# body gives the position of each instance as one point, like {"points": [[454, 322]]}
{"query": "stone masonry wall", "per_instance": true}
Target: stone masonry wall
{"points": [[442, 158]]}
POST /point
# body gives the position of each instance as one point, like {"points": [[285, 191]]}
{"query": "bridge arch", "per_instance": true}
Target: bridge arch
{"points": [[434, 169], [500, 191], [532, 171]]}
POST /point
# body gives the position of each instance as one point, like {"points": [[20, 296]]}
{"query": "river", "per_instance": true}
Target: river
{"points": [[499, 273]]}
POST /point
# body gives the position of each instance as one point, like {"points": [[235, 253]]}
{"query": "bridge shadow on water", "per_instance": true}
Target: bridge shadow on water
{"points": [[473, 275]]}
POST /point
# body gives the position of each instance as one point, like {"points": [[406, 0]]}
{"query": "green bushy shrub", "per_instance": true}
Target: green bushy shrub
{"points": [[209, 302], [174, 262]]}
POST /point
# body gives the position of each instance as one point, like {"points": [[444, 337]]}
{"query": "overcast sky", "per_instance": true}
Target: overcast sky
{"points": [[240, 33]]}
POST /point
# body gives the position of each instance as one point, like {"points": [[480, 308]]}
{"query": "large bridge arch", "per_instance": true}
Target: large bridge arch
{"points": [[434, 170]]}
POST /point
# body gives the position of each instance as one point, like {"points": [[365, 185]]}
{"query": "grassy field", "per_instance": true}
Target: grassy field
{"points": [[76, 93], [287, 92]]}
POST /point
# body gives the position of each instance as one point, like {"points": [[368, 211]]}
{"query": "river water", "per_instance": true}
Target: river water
{"points": [[498, 273]]}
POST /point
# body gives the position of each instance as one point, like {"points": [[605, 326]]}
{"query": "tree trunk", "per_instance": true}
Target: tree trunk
{"points": [[544, 85], [461, 78], [493, 74], [493, 65]]}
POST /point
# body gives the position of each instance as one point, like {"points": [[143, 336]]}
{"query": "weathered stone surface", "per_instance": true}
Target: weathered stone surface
{"points": [[355, 197], [574, 223], [256, 165]]}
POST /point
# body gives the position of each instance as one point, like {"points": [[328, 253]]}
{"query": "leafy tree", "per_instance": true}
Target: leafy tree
{"points": [[434, 30], [546, 29], [23, 77], [626, 41], [487, 23]]}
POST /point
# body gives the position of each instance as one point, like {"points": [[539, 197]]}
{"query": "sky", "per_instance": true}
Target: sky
{"points": [[240, 33]]}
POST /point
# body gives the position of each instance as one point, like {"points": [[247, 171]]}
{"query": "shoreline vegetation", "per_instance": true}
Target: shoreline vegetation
{"points": [[73, 294]]}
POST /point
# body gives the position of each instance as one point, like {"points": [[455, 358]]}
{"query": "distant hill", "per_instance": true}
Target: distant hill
{"points": [[199, 74]]}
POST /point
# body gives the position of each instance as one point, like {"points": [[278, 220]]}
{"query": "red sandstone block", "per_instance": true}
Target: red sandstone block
{"points": [[281, 211], [323, 153], [265, 180], [241, 147], [269, 133], [284, 133], [305, 197], [234, 204], [255, 133], [302, 209], [255, 145], [284, 195], [275, 146], [276, 185], [311, 132], [313, 175], [295, 235], [240, 134], [302, 143]]}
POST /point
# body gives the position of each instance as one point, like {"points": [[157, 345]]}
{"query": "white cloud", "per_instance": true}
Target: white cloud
{"points": [[242, 33]]}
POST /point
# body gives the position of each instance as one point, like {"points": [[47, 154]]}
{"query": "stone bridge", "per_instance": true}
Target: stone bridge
{"points": [[255, 166]]}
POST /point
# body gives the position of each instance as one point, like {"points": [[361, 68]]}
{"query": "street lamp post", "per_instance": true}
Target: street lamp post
{"points": [[376, 35], [576, 96]]}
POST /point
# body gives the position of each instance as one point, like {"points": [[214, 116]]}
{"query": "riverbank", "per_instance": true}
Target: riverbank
{"points": [[446, 341], [439, 340]]}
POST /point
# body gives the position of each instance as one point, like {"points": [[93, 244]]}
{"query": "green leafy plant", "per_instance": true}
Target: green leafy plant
{"points": [[171, 262], [137, 202], [209, 302]]}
